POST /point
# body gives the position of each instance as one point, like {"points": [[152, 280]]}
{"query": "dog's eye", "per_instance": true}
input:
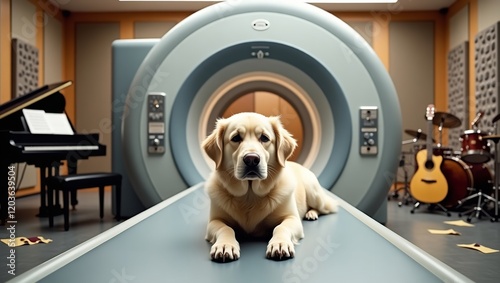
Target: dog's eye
{"points": [[236, 138], [264, 138]]}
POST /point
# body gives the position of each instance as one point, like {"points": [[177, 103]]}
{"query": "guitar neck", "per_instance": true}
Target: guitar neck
{"points": [[429, 139]]}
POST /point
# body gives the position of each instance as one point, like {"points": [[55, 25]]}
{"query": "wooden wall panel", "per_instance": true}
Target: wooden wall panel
{"points": [[245, 103], [267, 104], [5, 51]]}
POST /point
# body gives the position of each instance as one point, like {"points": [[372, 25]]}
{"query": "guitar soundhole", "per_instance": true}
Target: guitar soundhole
{"points": [[429, 164]]}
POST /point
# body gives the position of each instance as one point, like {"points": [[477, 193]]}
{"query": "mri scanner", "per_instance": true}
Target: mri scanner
{"points": [[343, 94], [167, 94]]}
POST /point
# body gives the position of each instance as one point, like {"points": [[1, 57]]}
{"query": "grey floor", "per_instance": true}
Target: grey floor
{"points": [[475, 265], [85, 224]]}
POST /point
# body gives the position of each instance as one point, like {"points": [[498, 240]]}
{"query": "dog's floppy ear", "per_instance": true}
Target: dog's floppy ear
{"points": [[214, 143], [285, 143]]}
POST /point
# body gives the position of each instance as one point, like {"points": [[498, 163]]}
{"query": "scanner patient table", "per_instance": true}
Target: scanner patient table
{"points": [[166, 244]]}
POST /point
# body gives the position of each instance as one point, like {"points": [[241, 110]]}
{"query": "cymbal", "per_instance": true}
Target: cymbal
{"points": [[446, 120], [418, 134]]}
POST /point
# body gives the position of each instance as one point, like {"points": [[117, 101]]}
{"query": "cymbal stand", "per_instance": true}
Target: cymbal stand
{"points": [[414, 140], [406, 197], [402, 163], [476, 211], [431, 207], [495, 218], [440, 130], [405, 188]]}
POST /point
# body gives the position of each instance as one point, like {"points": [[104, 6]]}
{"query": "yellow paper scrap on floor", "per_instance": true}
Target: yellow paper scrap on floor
{"points": [[459, 223], [20, 241], [478, 247], [443, 232]]}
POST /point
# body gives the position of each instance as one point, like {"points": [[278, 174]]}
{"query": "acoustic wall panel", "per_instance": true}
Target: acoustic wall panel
{"points": [[24, 67], [487, 80], [458, 94], [24, 79]]}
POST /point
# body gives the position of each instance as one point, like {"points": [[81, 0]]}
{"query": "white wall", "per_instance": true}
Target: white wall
{"points": [[459, 28], [23, 21], [53, 50], [93, 87], [152, 29], [489, 13], [411, 66]]}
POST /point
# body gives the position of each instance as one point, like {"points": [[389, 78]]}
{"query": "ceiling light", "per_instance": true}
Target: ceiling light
{"points": [[352, 1], [312, 1]]}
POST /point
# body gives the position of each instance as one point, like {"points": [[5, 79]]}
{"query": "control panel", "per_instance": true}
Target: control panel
{"points": [[156, 122], [368, 117]]}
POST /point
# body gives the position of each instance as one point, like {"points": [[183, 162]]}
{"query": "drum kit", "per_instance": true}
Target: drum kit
{"points": [[466, 171]]}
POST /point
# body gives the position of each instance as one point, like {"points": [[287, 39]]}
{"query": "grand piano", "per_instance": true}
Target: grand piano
{"points": [[44, 151]]}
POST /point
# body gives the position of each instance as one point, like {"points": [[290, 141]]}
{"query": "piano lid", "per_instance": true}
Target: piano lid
{"points": [[46, 98]]}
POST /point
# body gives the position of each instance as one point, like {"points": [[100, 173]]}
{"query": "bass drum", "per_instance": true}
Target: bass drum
{"points": [[463, 179], [483, 178]]}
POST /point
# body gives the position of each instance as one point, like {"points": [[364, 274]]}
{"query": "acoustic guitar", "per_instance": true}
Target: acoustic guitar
{"points": [[428, 184]]}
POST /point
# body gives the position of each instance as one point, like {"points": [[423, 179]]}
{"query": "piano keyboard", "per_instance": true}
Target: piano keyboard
{"points": [[60, 147]]}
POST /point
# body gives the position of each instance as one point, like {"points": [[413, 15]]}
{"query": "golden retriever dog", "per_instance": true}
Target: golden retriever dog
{"points": [[255, 190]]}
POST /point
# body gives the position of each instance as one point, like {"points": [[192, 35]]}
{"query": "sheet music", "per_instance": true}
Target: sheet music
{"points": [[36, 121], [40, 122], [59, 123]]}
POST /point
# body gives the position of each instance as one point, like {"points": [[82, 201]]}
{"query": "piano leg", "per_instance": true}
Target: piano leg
{"points": [[72, 170], [45, 173], [57, 206]]}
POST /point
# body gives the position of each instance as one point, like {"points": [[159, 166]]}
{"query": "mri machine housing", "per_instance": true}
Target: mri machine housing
{"points": [[344, 95], [165, 243]]}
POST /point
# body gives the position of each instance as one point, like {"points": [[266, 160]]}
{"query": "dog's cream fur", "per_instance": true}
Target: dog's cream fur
{"points": [[254, 189]]}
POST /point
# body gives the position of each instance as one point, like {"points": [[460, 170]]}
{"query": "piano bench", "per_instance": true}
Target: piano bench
{"points": [[70, 183]]}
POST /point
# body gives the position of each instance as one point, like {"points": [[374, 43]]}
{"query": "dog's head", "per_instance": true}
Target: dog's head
{"points": [[250, 145]]}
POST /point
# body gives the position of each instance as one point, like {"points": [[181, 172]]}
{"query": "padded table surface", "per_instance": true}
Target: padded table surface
{"points": [[166, 244]]}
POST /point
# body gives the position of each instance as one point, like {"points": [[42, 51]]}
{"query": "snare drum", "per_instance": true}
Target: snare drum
{"points": [[438, 151], [475, 149], [463, 178]]}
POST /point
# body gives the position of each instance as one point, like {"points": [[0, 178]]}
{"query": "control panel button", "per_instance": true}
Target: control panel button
{"points": [[156, 122], [368, 119]]}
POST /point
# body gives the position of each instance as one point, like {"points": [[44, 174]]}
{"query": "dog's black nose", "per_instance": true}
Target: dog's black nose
{"points": [[251, 159]]}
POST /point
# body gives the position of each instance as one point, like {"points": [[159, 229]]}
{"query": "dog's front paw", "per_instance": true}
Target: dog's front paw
{"points": [[312, 215], [225, 252], [280, 250]]}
